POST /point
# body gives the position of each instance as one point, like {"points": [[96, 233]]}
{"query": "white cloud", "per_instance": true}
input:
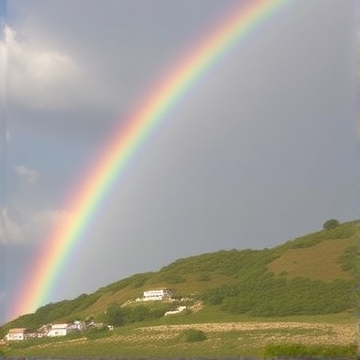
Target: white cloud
{"points": [[29, 175], [40, 78], [31, 229]]}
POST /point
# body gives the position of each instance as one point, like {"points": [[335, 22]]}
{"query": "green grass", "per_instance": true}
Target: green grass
{"points": [[213, 314], [324, 266], [246, 338], [296, 350], [147, 339]]}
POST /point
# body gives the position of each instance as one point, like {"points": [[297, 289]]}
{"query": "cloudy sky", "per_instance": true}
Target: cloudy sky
{"points": [[262, 149]]}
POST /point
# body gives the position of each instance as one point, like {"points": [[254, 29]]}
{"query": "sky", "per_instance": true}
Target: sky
{"points": [[260, 150]]}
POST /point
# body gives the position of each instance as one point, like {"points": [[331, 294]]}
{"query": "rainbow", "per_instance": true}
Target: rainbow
{"points": [[148, 115]]}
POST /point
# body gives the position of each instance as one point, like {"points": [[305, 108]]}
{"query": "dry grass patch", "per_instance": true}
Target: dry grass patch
{"points": [[317, 262], [311, 333]]}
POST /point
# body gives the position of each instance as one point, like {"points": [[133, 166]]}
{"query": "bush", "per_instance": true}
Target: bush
{"points": [[349, 260], [194, 335], [331, 224], [139, 313], [115, 315]]}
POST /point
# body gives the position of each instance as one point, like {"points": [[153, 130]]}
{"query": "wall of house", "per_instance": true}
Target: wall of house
{"points": [[15, 336], [57, 332], [156, 294]]}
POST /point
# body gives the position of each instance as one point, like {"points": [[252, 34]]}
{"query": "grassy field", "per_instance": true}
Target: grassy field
{"points": [[226, 336]]}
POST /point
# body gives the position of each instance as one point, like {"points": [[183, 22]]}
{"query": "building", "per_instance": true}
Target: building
{"points": [[17, 334], [77, 325], [59, 330], [43, 330], [160, 294]]}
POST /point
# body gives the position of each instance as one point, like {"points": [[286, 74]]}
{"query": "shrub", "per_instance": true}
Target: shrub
{"points": [[349, 260], [193, 335], [331, 224]]}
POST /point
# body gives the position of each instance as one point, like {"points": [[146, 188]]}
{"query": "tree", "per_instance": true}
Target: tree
{"points": [[331, 224], [115, 315], [139, 313]]}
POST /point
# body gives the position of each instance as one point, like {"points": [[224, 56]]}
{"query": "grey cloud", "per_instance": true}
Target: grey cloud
{"points": [[260, 150], [29, 175]]}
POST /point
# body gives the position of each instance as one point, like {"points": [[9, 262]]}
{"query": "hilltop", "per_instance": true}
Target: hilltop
{"points": [[310, 275]]}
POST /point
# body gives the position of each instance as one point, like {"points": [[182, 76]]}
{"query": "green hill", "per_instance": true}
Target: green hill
{"points": [[310, 275]]}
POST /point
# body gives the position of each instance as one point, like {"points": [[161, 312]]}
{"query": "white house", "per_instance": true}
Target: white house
{"points": [[59, 330], [17, 334], [160, 294]]}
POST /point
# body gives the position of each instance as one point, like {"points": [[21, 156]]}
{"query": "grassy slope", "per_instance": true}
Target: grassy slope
{"points": [[323, 255], [317, 262], [292, 259], [316, 256], [227, 336]]}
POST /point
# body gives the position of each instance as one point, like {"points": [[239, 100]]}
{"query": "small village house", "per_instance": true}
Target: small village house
{"points": [[77, 325], [59, 330], [43, 330], [160, 294], [17, 334]]}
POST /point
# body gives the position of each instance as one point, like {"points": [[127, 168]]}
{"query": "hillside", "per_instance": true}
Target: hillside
{"points": [[310, 275]]}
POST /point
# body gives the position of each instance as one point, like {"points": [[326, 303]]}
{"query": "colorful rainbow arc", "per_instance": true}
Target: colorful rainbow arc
{"points": [[149, 114]]}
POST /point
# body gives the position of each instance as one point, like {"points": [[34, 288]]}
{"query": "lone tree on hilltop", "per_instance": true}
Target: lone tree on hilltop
{"points": [[331, 224]]}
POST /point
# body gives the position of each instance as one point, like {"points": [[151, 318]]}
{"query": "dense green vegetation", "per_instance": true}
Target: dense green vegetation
{"points": [[268, 295], [117, 316], [303, 350]]}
